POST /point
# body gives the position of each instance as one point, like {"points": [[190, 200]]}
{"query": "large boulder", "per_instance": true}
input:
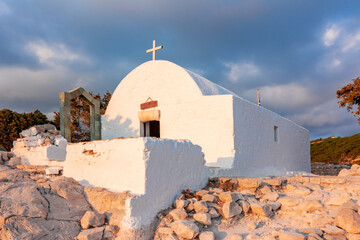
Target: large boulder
{"points": [[21, 199], [39, 228], [110, 203], [67, 199]]}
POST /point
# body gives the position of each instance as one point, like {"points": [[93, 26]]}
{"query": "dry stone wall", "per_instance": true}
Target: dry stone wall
{"points": [[41, 145], [328, 169]]}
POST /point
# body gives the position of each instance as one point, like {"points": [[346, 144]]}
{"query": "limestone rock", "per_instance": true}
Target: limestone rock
{"points": [[271, 196], [201, 193], [261, 209], [201, 206], [287, 235], [25, 133], [289, 202], [312, 230], [210, 198], [207, 236], [351, 236], [178, 213], [228, 197], [338, 200], [67, 199], [355, 167], [274, 205], [231, 209], [4, 156], [248, 182], [310, 206], [332, 237], [244, 205], [171, 237], [320, 220], [92, 219], [91, 234], [217, 190], [22, 199], [49, 127], [214, 213], [108, 235], [345, 173], [53, 170], [39, 228], [14, 161], [274, 182], [298, 189], [112, 228], [333, 230], [314, 236], [190, 206], [313, 186], [262, 190], [252, 225], [204, 218], [350, 205], [110, 203], [185, 229], [165, 230], [181, 203], [349, 220]]}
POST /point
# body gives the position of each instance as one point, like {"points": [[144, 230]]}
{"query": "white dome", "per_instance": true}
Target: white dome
{"points": [[163, 81]]}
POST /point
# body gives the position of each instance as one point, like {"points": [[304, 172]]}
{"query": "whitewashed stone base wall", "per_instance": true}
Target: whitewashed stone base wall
{"points": [[41, 155], [156, 170]]}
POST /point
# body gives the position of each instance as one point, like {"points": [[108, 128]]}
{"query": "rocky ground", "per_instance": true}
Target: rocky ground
{"points": [[300, 207], [34, 205]]}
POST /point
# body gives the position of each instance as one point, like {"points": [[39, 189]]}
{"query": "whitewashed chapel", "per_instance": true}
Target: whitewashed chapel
{"points": [[162, 125], [163, 100]]}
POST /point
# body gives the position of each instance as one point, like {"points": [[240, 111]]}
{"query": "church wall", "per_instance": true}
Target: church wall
{"points": [[155, 170], [115, 164], [171, 166], [257, 153], [208, 122], [40, 155]]}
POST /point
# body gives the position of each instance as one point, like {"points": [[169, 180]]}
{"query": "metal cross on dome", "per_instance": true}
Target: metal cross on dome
{"points": [[154, 49]]}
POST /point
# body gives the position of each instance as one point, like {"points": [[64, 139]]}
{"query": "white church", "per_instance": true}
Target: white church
{"points": [[167, 129], [238, 138]]}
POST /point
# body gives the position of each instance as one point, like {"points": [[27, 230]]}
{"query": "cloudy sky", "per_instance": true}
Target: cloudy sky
{"points": [[297, 52]]}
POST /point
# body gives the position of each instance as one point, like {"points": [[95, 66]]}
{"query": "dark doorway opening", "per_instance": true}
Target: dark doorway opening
{"points": [[152, 129]]}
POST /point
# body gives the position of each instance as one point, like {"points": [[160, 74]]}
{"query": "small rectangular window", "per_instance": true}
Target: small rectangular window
{"points": [[150, 129], [276, 133]]}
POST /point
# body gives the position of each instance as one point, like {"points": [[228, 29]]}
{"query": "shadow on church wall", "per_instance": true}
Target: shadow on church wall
{"points": [[116, 128]]}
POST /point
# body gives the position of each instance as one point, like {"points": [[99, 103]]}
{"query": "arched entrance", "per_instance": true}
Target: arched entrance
{"points": [[65, 121]]}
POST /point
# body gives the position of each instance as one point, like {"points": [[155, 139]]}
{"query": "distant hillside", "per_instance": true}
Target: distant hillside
{"points": [[336, 149]]}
